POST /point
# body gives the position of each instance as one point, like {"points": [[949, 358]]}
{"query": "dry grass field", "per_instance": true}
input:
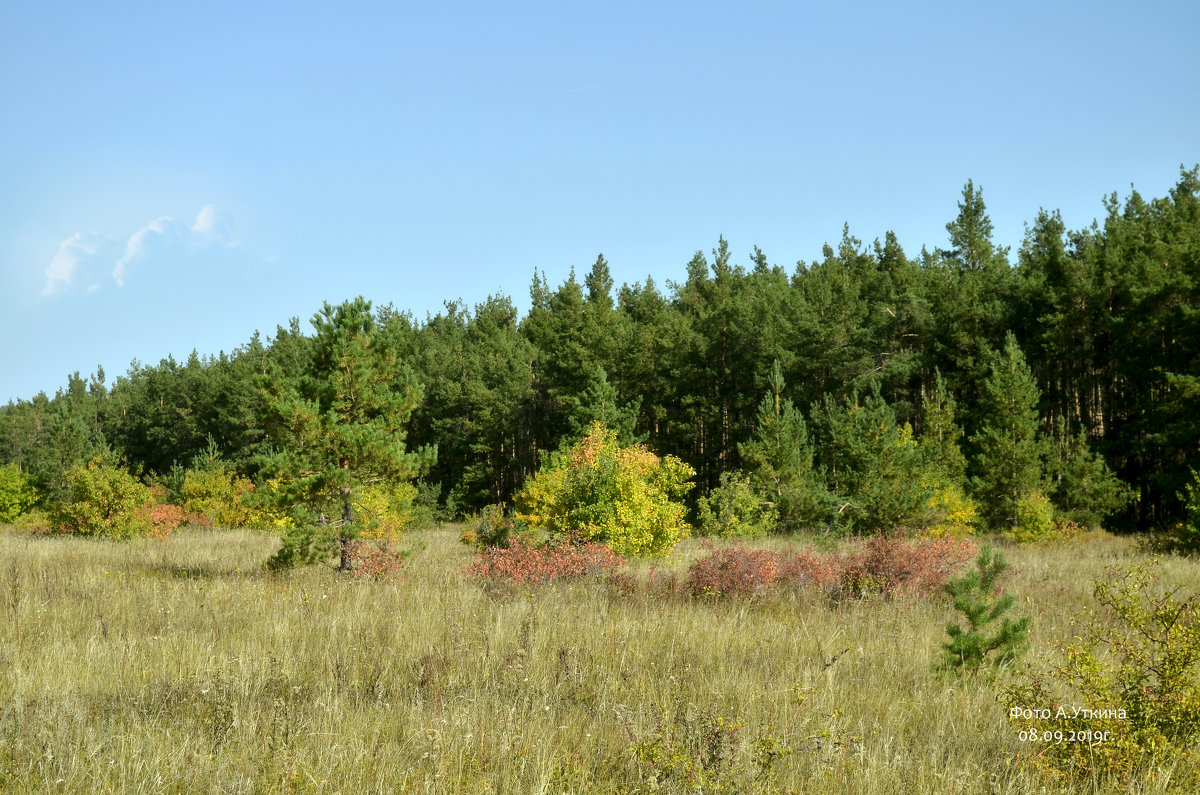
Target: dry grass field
{"points": [[180, 666]]}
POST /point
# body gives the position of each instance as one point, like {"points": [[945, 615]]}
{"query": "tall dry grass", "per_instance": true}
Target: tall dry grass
{"points": [[181, 666]]}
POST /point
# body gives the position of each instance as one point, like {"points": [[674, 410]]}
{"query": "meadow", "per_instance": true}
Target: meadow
{"points": [[180, 665]]}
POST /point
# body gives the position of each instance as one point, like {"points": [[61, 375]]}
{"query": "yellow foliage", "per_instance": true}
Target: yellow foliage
{"points": [[951, 512], [229, 500], [384, 510], [1035, 520], [537, 503], [619, 496]]}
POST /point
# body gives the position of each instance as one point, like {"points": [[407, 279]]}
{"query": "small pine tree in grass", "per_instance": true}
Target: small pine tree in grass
{"points": [[975, 597]]}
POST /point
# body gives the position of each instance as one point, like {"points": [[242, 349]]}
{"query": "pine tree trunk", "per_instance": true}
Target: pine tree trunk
{"points": [[347, 520]]}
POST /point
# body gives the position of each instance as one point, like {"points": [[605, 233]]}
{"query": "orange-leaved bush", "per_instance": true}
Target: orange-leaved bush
{"points": [[163, 518], [522, 562], [627, 498], [733, 571], [372, 558]]}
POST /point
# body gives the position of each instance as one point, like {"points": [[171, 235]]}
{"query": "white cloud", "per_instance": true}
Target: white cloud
{"points": [[205, 219], [163, 235], [61, 271], [136, 245]]}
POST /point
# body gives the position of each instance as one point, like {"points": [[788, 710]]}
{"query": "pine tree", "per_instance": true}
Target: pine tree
{"points": [[1083, 487], [1008, 446], [873, 465], [975, 597], [599, 403], [971, 233], [941, 433], [341, 427], [779, 460]]}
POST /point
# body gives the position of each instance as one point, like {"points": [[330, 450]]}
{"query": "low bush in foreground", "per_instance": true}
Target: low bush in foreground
{"points": [[370, 558], [733, 571], [1123, 698], [895, 566]]}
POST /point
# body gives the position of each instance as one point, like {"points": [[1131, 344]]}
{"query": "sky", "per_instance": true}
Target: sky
{"points": [[175, 177]]}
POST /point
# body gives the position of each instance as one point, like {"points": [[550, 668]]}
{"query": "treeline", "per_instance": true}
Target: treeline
{"points": [[1104, 318]]}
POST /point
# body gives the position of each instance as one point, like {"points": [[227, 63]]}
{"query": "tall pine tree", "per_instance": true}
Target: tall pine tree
{"points": [[1008, 445]]}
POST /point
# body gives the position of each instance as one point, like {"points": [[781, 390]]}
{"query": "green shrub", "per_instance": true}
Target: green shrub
{"points": [[17, 494], [35, 520], [735, 510], [1184, 538], [1085, 490], [493, 528], [1128, 684], [624, 497], [304, 544], [102, 499], [1034, 515]]}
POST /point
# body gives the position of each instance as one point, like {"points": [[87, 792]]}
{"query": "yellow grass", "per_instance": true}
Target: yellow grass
{"points": [[180, 666]]}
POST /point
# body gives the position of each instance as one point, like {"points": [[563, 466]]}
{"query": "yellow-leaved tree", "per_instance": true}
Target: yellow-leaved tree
{"points": [[625, 497]]}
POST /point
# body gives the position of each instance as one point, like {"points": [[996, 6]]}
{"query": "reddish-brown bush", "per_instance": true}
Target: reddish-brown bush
{"points": [[733, 571], [523, 563], [809, 568], [623, 583], [370, 558], [884, 566], [893, 566]]}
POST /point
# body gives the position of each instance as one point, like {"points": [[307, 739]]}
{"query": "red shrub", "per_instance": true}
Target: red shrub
{"points": [[733, 571], [887, 566], [810, 568], [892, 566], [202, 521], [623, 583], [370, 558], [663, 584], [522, 563]]}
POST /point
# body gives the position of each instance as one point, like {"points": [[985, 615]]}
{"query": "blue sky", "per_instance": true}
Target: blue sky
{"points": [[174, 177]]}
